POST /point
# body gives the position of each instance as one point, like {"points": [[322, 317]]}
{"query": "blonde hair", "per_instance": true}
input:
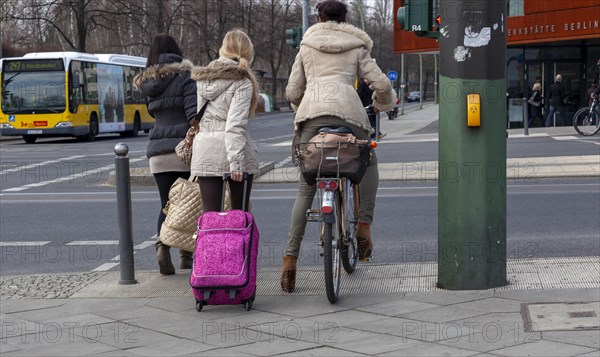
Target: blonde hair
{"points": [[537, 86], [238, 46]]}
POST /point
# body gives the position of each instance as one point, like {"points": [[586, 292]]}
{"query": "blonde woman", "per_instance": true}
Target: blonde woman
{"points": [[223, 145], [535, 105]]}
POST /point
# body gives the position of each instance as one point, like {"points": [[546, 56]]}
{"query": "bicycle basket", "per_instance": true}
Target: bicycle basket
{"points": [[333, 155]]}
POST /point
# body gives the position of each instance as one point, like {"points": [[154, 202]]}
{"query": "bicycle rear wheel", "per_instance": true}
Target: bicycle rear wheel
{"points": [[586, 122], [331, 252], [350, 207]]}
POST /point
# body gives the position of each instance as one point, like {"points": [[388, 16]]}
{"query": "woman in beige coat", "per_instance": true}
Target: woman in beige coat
{"points": [[321, 85], [223, 145]]}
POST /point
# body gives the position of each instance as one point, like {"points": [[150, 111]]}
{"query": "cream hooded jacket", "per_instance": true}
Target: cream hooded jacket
{"points": [[223, 143], [332, 55]]}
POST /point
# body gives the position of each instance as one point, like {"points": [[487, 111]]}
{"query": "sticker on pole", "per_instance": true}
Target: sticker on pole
{"points": [[392, 75]]}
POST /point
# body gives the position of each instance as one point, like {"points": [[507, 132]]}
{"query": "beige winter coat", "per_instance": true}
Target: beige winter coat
{"points": [[223, 143], [322, 82]]}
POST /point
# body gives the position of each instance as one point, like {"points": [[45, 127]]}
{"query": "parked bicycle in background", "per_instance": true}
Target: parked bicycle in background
{"points": [[586, 121]]}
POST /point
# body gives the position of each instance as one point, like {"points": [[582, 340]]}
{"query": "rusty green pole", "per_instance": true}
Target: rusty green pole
{"points": [[472, 154]]}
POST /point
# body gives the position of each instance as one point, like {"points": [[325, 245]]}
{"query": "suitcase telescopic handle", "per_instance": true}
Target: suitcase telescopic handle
{"points": [[226, 176]]}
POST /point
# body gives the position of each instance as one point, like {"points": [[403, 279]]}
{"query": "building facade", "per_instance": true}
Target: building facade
{"points": [[544, 38]]}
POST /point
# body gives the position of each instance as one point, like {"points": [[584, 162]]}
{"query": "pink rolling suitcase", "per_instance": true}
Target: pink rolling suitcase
{"points": [[224, 269]]}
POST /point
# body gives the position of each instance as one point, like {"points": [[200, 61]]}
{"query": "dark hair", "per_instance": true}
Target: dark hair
{"points": [[162, 43], [332, 10]]}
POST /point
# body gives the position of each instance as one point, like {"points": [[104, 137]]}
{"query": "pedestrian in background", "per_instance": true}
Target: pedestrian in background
{"points": [[366, 97], [535, 105], [556, 98], [171, 98], [223, 144], [331, 54]]}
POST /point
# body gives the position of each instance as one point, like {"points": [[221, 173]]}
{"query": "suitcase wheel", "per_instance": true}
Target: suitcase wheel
{"points": [[248, 303], [199, 305]]}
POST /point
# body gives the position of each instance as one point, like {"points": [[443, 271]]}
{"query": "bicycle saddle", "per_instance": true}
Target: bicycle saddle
{"points": [[335, 130]]}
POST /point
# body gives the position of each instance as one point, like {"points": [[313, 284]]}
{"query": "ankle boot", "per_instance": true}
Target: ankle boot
{"points": [[185, 259], [365, 245], [288, 273], [163, 256]]}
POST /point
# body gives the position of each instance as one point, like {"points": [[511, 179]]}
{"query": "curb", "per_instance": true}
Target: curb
{"points": [[426, 171], [141, 176]]}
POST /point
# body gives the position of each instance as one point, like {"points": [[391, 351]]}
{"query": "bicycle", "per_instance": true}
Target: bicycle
{"points": [[337, 211], [586, 120]]}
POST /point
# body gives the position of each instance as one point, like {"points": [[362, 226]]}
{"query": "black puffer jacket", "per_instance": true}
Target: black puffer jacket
{"points": [[171, 95]]}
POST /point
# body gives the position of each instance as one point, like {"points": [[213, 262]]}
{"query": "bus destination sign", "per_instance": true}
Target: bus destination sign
{"points": [[33, 65]]}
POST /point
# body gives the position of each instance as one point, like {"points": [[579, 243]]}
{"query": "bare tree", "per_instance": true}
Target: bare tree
{"points": [[270, 44]]}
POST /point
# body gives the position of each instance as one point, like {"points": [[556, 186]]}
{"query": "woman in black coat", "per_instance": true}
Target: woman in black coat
{"points": [[171, 97], [535, 105]]}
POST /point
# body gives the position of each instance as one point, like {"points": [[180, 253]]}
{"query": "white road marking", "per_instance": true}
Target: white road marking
{"points": [[106, 266], [23, 244], [565, 138], [67, 178], [116, 260], [38, 164], [283, 162], [93, 242]]}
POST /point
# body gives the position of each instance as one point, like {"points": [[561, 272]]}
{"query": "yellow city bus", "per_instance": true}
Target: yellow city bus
{"points": [[71, 94]]}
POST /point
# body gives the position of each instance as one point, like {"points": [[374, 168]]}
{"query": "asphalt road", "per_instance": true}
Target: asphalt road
{"points": [[57, 214]]}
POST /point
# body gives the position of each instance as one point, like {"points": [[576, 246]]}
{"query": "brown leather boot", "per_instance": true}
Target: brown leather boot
{"points": [[163, 256], [288, 273], [185, 259], [365, 245]]}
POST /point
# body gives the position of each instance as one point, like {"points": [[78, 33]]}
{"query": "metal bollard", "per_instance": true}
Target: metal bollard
{"points": [[525, 116], [124, 213]]}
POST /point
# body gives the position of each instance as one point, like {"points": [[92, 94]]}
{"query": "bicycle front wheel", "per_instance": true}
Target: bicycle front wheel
{"points": [[350, 207], [586, 122], [331, 252]]}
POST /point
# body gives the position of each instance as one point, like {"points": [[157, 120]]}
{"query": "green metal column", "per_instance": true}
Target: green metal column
{"points": [[472, 160]]}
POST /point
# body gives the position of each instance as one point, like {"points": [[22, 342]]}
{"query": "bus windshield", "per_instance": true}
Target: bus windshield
{"points": [[33, 89]]}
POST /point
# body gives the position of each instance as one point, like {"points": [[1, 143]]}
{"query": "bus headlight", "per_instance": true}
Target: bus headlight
{"points": [[64, 124], [6, 126]]}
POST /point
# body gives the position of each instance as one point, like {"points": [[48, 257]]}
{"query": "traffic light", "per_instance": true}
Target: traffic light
{"points": [[293, 36], [416, 16]]}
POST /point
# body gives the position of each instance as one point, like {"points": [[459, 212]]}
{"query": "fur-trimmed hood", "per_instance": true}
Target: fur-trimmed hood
{"points": [[162, 74], [223, 68], [333, 37], [219, 75]]}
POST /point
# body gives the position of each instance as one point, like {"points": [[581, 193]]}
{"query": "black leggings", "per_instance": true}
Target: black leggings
{"points": [[164, 181], [211, 189]]}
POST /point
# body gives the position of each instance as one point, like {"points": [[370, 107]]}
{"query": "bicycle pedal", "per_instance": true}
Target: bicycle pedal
{"points": [[366, 260], [313, 215]]}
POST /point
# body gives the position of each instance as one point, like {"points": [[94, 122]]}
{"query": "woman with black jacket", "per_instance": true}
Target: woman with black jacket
{"points": [[535, 105], [171, 98]]}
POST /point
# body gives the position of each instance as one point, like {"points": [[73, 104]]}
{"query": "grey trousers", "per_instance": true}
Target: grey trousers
{"points": [[306, 192]]}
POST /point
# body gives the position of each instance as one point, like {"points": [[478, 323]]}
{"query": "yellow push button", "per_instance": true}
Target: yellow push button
{"points": [[473, 110]]}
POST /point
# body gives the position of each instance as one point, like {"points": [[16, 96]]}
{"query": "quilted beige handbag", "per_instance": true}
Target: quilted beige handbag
{"points": [[182, 211]]}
